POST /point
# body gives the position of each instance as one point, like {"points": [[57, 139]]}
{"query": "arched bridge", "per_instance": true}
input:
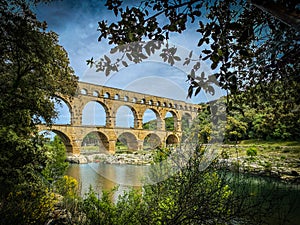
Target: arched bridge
{"points": [[110, 132]]}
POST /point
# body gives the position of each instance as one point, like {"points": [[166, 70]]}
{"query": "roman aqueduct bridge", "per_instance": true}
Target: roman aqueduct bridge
{"points": [[111, 99]]}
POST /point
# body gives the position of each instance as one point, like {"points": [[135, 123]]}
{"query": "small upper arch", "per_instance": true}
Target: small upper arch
{"points": [[83, 91]]}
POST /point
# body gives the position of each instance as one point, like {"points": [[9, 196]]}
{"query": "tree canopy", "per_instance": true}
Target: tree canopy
{"points": [[34, 67], [34, 70], [245, 42]]}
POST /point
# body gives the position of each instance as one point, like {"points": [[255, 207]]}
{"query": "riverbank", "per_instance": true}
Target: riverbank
{"points": [[282, 162], [124, 158], [264, 159]]}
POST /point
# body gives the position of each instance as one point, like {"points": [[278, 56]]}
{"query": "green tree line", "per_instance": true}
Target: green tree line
{"points": [[262, 121]]}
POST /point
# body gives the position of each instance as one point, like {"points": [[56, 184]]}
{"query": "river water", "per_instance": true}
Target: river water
{"points": [[101, 176]]}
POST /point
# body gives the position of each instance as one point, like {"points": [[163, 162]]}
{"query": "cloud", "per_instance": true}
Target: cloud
{"points": [[76, 23]]}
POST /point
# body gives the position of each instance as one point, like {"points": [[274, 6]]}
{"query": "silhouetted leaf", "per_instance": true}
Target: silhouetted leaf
{"points": [[214, 65], [197, 90], [202, 75], [177, 58], [129, 56], [193, 73], [107, 59], [211, 90], [125, 63], [206, 51], [114, 50], [190, 91]]}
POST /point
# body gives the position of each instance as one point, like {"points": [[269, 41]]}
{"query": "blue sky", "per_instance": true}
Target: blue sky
{"points": [[76, 23]]}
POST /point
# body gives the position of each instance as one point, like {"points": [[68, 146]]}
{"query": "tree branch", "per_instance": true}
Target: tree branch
{"points": [[290, 18], [172, 7]]}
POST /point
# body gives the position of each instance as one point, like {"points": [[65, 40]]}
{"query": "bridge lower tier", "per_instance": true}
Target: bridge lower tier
{"points": [[135, 139]]}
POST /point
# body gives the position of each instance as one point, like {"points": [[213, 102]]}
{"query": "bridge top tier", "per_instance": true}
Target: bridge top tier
{"points": [[103, 92]]}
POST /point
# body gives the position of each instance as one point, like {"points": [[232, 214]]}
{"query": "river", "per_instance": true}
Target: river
{"points": [[103, 176]]}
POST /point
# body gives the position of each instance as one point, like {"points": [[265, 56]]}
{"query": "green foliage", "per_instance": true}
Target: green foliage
{"points": [[235, 129], [102, 210], [56, 160], [244, 121], [34, 70], [150, 125], [244, 44], [188, 197], [268, 113], [161, 154], [169, 123], [201, 128], [27, 204], [21, 159], [252, 151], [66, 186], [29, 74]]}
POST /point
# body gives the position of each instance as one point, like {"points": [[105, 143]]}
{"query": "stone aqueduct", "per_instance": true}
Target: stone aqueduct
{"points": [[112, 99]]}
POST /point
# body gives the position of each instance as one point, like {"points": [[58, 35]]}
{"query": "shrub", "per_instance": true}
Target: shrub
{"points": [[27, 205], [252, 151]]}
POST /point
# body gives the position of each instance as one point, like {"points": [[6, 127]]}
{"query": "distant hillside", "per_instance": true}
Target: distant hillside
{"points": [[152, 124]]}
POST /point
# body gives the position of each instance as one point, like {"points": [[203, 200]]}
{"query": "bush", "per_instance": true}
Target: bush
{"points": [[252, 151], [27, 204]]}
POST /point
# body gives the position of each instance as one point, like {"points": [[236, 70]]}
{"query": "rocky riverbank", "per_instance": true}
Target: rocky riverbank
{"points": [[132, 159], [263, 167]]}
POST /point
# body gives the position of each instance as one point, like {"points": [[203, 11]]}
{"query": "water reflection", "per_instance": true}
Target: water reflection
{"points": [[101, 176]]}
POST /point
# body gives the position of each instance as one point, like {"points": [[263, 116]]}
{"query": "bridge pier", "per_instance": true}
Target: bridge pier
{"points": [[178, 125], [110, 121], [140, 144], [112, 146], [75, 147], [138, 123]]}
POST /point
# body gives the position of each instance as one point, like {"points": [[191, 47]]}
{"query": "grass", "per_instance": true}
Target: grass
{"points": [[270, 143], [90, 148], [274, 150]]}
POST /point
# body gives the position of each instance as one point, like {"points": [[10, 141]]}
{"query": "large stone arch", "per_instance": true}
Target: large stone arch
{"points": [[98, 139], [159, 122], [65, 139], [176, 120], [94, 113], [172, 140], [64, 101], [152, 141], [128, 139], [133, 124]]}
